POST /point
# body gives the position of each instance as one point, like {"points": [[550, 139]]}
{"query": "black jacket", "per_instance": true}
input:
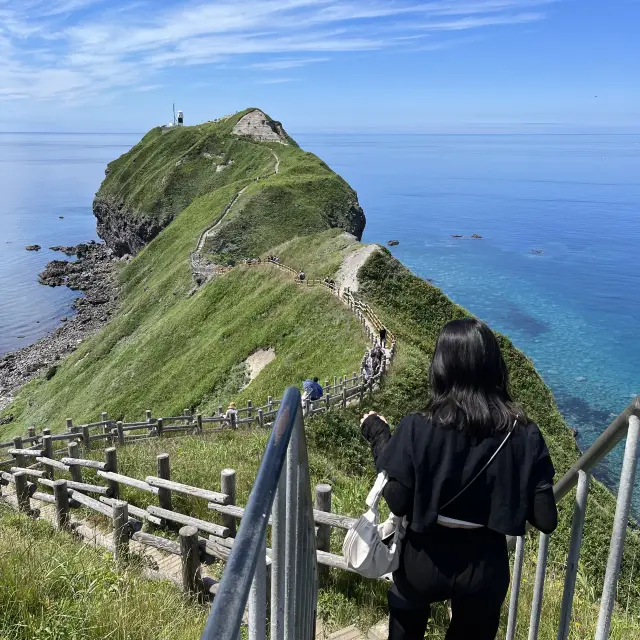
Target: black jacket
{"points": [[429, 464]]}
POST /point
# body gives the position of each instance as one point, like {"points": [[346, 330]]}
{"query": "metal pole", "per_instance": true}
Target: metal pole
{"points": [[302, 501], [620, 521], [538, 588], [577, 526], [278, 530], [290, 548], [515, 589], [258, 597]]}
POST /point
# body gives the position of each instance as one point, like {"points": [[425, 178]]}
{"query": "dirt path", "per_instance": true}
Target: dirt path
{"points": [[347, 276]]}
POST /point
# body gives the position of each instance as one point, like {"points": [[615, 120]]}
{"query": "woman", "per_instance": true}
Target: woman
{"points": [[459, 498]]}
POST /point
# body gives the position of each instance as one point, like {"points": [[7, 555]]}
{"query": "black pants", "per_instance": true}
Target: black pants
{"points": [[469, 567]]}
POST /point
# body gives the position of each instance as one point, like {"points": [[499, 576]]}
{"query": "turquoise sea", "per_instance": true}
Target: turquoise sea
{"points": [[557, 267]]}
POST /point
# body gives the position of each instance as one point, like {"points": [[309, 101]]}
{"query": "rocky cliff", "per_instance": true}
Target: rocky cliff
{"points": [[121, 231]]}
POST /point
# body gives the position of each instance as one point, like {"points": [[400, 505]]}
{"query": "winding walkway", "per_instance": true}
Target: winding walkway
{"points": [[201, 268]]}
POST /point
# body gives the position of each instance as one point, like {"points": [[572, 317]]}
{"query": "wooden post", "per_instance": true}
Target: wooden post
{"points": [[19, 458], [120, 532], [69, 424], [31, 432], [269, 403], [335, 382], [199, 422], [104, 416], [74, 469], [107, 429], [164, 472], [85, 438], [228, 486], [187, 414], [249, 409], [344, 397], [111, 458], [327, 384], [61, 495], [190, 554], [22, 492], [159, 427], [219, 409], [327, 401], [260, 418], [47, 448], [120, 431], [323, 531], [46, 432], [354, 379], [362, 387], [149, 420]]}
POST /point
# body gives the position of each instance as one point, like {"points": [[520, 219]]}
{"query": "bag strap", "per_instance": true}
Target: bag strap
{"points": [[491, 459], [376, 491]]}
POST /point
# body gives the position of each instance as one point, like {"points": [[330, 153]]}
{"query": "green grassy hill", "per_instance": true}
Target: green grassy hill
{"points": [[171, 346]]}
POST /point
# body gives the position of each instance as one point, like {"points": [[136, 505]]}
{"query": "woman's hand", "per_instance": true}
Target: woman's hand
{"points": [[374, 427]]}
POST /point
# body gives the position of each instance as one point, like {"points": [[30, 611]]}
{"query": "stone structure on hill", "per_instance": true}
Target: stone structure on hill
{"points": [[258, 126]]}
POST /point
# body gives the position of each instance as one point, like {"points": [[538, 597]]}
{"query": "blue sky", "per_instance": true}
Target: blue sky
{"points": [[323, 65]]}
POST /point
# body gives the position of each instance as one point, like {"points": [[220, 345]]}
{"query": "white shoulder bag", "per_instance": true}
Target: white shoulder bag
{"points": [[364, 548]]}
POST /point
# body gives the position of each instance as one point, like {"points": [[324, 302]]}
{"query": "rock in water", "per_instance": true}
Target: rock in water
{"points": [[393, 243], [33, 247]]}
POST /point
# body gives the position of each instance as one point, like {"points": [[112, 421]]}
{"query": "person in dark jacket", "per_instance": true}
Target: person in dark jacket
{"points": [[461, 500]]}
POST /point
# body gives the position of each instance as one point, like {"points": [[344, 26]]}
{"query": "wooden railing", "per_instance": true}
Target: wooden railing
{"points": [[56, 478]]}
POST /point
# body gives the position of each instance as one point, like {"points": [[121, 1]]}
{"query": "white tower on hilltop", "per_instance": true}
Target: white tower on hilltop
{"points": [[180, 121]]}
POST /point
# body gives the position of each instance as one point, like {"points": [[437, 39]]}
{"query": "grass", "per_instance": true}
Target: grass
{"points": [[185, 354], [319, 255], [54, 588]]}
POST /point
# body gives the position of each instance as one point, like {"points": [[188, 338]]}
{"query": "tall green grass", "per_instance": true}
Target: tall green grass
{"points": [[55, 588]]}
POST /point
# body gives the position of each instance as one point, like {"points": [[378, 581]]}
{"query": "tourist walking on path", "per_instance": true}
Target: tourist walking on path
{"points": [[232, 414], [466, 472], [312, 390], [383, 337]]}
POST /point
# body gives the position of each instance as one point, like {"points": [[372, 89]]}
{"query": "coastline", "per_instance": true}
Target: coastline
{"points": [[94, 273]]}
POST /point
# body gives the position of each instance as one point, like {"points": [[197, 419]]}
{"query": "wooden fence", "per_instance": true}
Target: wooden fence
{"points": [[197, 540]]}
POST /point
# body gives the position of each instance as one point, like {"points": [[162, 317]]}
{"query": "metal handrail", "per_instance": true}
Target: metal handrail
{"points": [[285, 491], [596, 453], [626, 424]]}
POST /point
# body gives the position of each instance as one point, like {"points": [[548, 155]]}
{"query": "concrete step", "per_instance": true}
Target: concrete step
{"points": [[379, 631], [349, 633]]}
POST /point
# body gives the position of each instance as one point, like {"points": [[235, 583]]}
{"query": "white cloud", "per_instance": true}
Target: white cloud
{"points": [[285, 63], [275, 80], [78, 49]]}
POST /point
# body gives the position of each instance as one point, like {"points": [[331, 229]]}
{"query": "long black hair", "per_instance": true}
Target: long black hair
{"points": [[469, 380]]}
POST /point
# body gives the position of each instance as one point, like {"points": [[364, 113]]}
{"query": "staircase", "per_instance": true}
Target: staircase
{"points": [[379, 631]]}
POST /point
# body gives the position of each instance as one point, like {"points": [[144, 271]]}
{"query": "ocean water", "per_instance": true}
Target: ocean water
{"points": [[44, 177], [575, 307], [557, 268]]}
